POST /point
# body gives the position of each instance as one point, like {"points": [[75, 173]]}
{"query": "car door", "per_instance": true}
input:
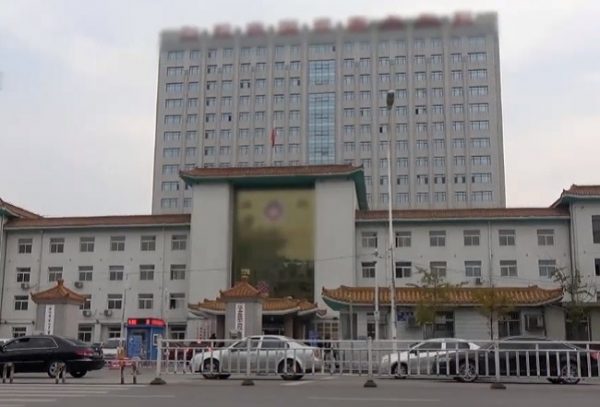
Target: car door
{"points": [[43, 351], [24, 354], [422, 356], [272, 350]]}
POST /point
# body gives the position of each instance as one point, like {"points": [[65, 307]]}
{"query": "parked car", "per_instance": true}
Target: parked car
{"points": [[43, 353], [560, 362], [268, 354], [420, 357]]}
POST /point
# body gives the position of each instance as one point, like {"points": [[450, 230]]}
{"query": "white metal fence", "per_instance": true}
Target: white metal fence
{"points": [[565, 362]]}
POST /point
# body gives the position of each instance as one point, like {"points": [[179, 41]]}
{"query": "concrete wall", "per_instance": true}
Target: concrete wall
{"points": [[554, 319], [585, 248], [211, 241], [469, 323], [253, 318], [334, 235]]}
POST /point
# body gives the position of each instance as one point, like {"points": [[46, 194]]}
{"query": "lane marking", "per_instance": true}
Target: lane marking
{"points": [[361, 399], [20, 400], [298, 383]]}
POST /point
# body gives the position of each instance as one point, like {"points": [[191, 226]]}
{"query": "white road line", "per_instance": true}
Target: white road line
{"points": [[35, 392], [298, 383], [20, 400], [363, 399]]}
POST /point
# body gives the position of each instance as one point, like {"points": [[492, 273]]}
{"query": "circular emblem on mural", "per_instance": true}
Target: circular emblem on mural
{"points": [[273, 211]]}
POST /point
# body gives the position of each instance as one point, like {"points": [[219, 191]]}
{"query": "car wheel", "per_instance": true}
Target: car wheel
{"points": [[553, 380], [289, 369], [466, 372], [78, 374], [53, 368], [568, 374], [400, 372], [210, 369]]}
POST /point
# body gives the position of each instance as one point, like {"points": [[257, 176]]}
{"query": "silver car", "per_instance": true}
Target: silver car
{"points": [[420, 358], [265, 354]]}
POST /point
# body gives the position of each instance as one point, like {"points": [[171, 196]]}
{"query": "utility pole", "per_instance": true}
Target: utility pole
{"points": [[390, 104]]}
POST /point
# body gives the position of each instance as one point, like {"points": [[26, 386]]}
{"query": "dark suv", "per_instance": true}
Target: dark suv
{"points": [[42, 353]]}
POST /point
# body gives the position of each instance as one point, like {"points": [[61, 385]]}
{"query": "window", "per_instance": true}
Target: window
{"points": [[174, 87], [477, 56], [480, 196], [481, 178], [176, 300], [368, 269], [545, 237], [596, 228], [597, 267], [117, 243], [85, 333], [57, 245], [23, 274], [460, 196], [25, 245], [422, 179], [439, 196], [509, 324], [168, 203], [480, 142], [21, 302], [480, 125], [145, 301], [88, 303], [478, 90], [437, 238], [508, 268], [403, 269], [506, 237], [477, 73], [456, 75], [178, 242], [177, 271], [86, 244], [115, 273], [481, 160], [321, 72], [473, 268], [471, 237], [438, 268], [19, 331], [146, 272], [439, 179], [54, 274], [457, 92], [85, 273], [369, 240], [114, 301], [547, 268], [403, 239], [148, 243]]}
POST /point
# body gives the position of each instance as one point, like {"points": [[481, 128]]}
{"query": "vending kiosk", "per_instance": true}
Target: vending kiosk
{"points": [[142, 337]]}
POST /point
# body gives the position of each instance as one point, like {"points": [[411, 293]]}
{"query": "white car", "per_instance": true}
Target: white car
{"points": [[110, 347], [265, 353], [420, 358]]}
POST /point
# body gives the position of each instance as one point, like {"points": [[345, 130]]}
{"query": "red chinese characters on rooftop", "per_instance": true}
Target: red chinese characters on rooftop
{"points": [[223, 30], [358, 24], [255, 29], [288, 27], [322, 25]]}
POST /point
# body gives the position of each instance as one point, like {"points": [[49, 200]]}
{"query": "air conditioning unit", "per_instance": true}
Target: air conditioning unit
{"points": [[25, 286], [108, 312], [87, 313], [78, 284], [534, 322], [478, 281]]}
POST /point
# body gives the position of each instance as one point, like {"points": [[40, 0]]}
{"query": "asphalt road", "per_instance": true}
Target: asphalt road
{"points": [[328, 391]]}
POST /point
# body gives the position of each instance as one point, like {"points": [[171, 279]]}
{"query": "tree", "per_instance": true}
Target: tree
{"points": [[492, 304], [577, 293], [434, 298]]}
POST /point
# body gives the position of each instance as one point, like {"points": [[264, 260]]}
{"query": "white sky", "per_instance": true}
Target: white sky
{"points": [[78, 92]]}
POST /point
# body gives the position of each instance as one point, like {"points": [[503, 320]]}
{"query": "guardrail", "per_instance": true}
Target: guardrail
{"points": [[465, 360]]}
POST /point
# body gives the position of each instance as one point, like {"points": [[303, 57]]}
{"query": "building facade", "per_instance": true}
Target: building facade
{"points": [[323, 90], [308, 238]]}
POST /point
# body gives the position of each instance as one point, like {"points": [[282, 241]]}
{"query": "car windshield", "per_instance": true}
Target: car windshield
{"points": [[110, 344], [75, 342]]}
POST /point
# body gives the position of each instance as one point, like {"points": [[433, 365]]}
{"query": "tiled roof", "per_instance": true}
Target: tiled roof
{"points": [[17, 211], [485, 213], [314, 170], [242, 289], [58, 293], [583, 190], [269, 305], [532, 295], [125, 220]]}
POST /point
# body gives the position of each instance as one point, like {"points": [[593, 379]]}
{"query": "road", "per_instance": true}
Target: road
{"points": [[328, 391]]}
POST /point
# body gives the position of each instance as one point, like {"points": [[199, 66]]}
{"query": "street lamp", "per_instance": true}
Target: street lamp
{"points": [[389, 100]]}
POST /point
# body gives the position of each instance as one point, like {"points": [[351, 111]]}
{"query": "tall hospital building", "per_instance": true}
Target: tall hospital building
{"points": [[323, 90]]}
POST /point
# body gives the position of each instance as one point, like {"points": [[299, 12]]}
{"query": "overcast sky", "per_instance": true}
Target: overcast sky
{"points": [[78, 92]]}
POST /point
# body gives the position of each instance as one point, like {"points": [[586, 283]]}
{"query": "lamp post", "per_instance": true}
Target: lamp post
{"points": [[393, 326]]}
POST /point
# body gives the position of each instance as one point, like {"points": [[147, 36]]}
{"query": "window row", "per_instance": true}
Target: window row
{"points": [[146, 272], [87, 244], [404, 199], [472, 269], [471, 237]]}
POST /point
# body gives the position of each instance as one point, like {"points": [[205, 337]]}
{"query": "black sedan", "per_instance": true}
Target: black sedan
{"points": [[559, 362], [43, 353]]}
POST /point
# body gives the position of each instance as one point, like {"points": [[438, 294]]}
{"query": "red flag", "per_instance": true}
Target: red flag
{"points": [[273, 135]]}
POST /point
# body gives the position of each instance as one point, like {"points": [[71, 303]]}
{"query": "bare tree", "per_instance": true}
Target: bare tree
{"points": [[493, 303], [577, 293]]}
